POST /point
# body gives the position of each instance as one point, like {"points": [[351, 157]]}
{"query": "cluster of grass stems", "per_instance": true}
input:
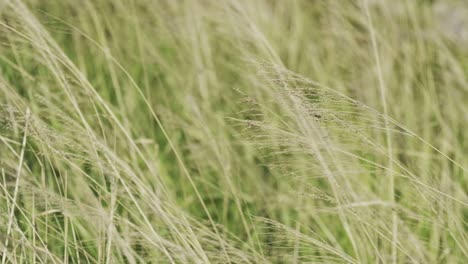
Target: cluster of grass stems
{"points": [[233, 131]]}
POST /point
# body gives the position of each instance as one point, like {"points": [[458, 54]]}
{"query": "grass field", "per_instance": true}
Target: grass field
{"points": [[233, 131]]}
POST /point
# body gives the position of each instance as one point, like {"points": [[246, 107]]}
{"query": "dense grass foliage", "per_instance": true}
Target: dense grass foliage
{"points": [[233, 131]]}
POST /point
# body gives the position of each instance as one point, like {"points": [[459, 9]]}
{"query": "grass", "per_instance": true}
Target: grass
{"points": [[201, 131]]}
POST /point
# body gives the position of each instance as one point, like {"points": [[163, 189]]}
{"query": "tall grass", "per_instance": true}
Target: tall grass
{"points": [[199, 131]]}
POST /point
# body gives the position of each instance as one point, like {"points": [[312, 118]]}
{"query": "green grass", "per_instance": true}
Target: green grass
{"points": [[203, 131]]}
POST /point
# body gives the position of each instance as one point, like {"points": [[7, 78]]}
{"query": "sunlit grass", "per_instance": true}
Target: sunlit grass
{"points": [[199, 131]]}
